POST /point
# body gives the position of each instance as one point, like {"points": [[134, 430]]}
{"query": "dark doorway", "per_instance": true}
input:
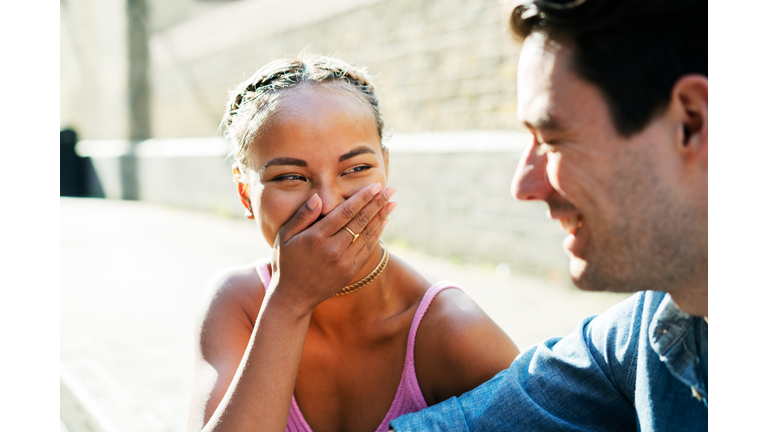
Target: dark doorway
{"points": [[77, 178]]}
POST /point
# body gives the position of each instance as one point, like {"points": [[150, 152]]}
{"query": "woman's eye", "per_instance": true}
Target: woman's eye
{"points": [[289, 177], [356, 169]]}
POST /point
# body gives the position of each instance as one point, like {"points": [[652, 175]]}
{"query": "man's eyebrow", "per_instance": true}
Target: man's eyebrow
{"points": [[547, 123], [284, 161], [356, 151]]}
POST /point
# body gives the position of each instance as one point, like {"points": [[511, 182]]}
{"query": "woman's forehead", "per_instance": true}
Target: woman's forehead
{"points": [[311, 121], [322, 99]]}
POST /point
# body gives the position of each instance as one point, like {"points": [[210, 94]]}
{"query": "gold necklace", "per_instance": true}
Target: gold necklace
{"points": [[349, 289]]}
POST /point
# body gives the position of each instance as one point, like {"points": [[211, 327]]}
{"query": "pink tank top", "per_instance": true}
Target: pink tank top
{"points": [[408, 398]]}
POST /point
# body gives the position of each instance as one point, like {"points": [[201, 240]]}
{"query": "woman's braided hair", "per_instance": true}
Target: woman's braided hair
{"points": [[252, 102]]}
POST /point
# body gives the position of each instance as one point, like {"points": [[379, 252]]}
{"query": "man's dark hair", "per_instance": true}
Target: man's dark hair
{"points": [[634, 51]]}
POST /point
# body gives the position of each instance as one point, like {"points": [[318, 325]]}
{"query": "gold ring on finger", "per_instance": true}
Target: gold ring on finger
{"points": [[354, 236]]}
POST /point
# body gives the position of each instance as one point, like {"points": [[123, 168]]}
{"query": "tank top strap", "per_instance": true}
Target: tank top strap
{"points": [[409, 374], [433, 291], [262, 269], [409, 397]]}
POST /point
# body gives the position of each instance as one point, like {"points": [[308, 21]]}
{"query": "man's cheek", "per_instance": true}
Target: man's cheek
{"points": [[557, 173]]}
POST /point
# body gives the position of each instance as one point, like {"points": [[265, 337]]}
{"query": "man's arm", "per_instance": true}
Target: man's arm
{"points": [[582, 381]]}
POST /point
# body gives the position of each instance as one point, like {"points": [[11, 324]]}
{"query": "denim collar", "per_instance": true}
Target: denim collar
{"points": [[681, 342]]}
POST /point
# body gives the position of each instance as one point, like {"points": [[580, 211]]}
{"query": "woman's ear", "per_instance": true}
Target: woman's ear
{"points": [[242, 191], [690, 107]]}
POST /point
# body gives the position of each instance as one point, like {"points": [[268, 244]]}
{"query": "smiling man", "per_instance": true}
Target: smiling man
{"points": [[615, 95]]}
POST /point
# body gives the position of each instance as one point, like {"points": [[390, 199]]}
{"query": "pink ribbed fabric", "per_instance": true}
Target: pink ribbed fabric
{"points": [[408, 398]]}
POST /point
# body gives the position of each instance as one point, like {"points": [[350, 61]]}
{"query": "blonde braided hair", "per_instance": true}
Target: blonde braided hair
{"points": [[252, 102]]}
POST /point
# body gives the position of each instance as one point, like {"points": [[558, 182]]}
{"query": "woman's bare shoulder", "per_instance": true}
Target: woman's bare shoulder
{"points": [[232, 297], [458, 347], [225, 321]]}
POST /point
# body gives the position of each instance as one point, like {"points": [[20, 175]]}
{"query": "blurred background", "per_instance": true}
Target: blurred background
{"points": [[144, 85], [149, 211]]}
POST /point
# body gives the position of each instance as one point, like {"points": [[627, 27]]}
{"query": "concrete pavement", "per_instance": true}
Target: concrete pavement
{"points": [[131, 277]]}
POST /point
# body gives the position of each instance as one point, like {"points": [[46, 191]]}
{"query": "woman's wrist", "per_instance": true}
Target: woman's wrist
{"points": [[283, 299]]}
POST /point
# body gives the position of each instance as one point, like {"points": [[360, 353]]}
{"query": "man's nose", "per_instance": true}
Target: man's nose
{"points": [[530, 181]]}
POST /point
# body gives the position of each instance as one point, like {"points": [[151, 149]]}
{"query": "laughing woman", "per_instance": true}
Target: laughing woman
{"points": [[330, 333]]}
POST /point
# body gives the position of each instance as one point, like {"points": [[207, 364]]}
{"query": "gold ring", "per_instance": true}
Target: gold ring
{"points": [[354, 236]]}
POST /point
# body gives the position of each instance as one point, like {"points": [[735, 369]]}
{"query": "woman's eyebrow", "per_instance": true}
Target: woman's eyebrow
{"points": [[284, 161], [354, 152]]}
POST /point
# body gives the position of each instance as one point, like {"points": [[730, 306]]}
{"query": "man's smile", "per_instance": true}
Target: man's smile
{"points": [[572, 224]]}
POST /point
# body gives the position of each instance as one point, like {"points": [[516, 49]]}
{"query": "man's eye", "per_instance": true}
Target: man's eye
{"points": [[546, 147], [356, 169]]}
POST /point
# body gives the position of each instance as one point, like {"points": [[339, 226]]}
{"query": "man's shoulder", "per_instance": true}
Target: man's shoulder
{"points": [[616, 338], [583, 381], [629, 314]]}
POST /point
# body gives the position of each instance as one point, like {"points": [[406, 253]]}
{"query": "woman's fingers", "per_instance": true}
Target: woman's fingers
{"points": [[372, 233], [303, 218], [313, 264], [379, 218], [349, 209], [368, 213]]}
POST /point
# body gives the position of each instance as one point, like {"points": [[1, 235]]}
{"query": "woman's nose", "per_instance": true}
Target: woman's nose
{"points": [[531, 181], [332, 196]]}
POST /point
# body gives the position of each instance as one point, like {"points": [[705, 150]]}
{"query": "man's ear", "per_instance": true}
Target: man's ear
{"points": [[689, 104], [242, 191]]}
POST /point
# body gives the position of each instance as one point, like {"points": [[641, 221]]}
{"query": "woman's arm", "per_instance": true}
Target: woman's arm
{"points": [[222, 331], [309, 265]]}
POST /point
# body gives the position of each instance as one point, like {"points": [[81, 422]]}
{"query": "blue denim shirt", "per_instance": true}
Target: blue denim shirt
{"points": [[641, 365]]}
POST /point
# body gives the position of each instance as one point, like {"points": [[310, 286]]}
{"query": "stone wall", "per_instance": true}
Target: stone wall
{"points": [[453, 193], [454, 200], [94, 65], [101, 76], [439, 66], [445, 73]]}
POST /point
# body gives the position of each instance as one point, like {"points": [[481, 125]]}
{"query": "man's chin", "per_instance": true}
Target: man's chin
{"points": [[604, 278], [582, 275], [578, 270]]}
